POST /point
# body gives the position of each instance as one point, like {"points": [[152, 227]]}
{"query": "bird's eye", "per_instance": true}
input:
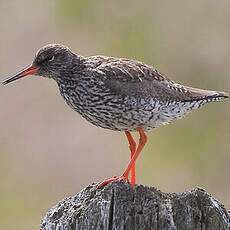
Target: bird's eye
{"points": [[50, 58]]}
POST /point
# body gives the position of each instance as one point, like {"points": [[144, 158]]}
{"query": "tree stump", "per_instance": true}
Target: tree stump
{"points": [[119, 207]]}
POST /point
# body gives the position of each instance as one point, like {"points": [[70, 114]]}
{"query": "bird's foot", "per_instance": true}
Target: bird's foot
{"points": [[110, 180]]}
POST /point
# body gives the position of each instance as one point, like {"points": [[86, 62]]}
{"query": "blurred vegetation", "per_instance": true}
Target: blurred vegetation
{"points": [[48, 152]]}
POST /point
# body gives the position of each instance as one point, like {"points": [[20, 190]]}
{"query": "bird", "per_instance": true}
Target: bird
{"points": [[119, 94]]}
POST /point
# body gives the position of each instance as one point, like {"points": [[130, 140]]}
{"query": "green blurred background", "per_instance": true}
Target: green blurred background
{"points": [[48, 152]]}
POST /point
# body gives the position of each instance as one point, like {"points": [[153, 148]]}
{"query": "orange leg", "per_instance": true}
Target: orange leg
{"points": [[132, 147], [124, 176], [142, 142]]}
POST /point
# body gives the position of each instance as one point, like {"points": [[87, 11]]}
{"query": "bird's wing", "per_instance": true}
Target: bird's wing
{"points": [[129, 77]]}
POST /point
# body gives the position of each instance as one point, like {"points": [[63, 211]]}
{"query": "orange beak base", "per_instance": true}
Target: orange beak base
{"points": [[28, 71]]}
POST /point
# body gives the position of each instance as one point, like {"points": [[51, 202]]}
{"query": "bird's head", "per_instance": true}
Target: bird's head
{"points": [[50, 61]]}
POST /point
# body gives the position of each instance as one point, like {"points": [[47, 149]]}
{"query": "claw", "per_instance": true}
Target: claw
{"points": [[110, 180]]}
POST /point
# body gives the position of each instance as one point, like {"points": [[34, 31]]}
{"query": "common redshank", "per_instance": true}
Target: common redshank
{"points": [[117, 94]]}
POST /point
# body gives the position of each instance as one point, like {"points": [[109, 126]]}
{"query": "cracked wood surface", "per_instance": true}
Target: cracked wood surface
{"points": [[119, 207]]}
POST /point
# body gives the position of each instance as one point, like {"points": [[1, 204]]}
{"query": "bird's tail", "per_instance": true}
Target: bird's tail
{"points": [[217, 96], [195, 99], [207, 95]]}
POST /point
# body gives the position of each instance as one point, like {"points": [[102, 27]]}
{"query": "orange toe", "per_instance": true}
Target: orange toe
{"points": [[110, 180]]}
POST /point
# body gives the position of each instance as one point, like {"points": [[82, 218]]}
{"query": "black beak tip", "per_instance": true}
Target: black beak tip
{"points": [[4, 82], [7, 81]]}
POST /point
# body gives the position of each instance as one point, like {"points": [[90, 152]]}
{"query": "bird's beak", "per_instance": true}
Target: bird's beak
{"points": [[28, 71]]}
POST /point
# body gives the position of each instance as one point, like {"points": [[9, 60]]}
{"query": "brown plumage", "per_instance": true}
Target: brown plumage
{"points": [[117, 93]]}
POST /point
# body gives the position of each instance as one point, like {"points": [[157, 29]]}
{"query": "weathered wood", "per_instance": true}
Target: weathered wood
{"points": [[118, 206]]}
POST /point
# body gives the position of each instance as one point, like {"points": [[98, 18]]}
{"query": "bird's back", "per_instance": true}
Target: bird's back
{"points": [[129, 77]]}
